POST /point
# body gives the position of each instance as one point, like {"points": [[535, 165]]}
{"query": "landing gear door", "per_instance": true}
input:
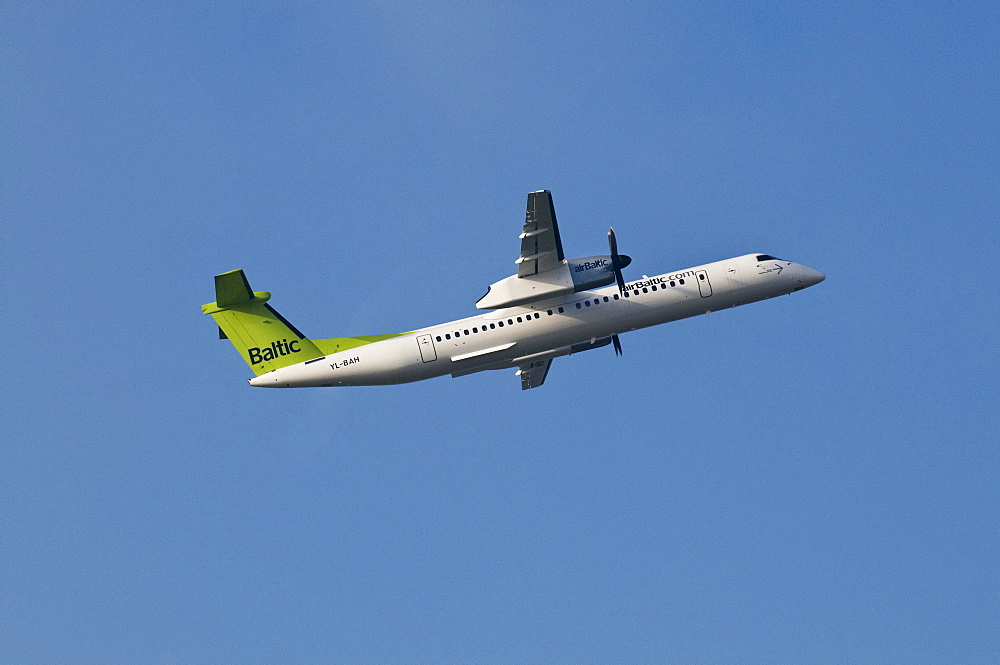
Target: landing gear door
{"points": [[703, 284], [427, 352]]}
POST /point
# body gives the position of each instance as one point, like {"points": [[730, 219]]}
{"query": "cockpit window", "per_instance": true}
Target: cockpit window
{"points": [[767, 257]]}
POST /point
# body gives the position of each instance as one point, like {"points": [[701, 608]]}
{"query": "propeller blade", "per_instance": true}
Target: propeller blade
{"points": [[620, 280], [617, 261]]}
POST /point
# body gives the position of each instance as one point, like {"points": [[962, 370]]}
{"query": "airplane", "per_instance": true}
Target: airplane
{"points": [[551, 307]]}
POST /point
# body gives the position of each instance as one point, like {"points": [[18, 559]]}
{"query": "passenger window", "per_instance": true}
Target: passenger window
{"points": [[561, 310], [447, 336], [500, 323], [626, 294], [493, 326], [438, 338], [636, 292], [474, 329], [579, 306], [466, 332], [701, 277], [645, 290], [681, 281], [537, 315], [519, 320], [615, 296], [510, 322], [605, 299], [597, 301], [653, 287], [550, 312]]}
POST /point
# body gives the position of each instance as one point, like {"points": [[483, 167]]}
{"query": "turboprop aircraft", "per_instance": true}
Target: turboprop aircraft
{"points": [[552, 307]]}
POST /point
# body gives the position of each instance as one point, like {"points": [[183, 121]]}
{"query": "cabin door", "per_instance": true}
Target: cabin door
{"points": [[426, 345]]}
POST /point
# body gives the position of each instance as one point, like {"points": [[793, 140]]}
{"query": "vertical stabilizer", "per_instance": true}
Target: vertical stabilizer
{"points": [[265, 339]]}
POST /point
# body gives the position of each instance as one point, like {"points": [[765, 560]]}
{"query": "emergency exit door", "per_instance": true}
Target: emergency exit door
{"points": [[704, 285]]}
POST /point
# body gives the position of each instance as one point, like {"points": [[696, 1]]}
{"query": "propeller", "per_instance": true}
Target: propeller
{"points": [[618, 261]]}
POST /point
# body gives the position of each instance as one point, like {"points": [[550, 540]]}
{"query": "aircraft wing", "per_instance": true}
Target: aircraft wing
{"points": [[533, 374], [541, 248]]}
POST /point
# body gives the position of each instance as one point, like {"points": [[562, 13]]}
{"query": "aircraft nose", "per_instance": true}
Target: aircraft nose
{"points": [[810, 276]]}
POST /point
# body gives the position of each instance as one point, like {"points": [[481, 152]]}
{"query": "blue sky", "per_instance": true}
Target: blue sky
{"points": [[811, 479]]}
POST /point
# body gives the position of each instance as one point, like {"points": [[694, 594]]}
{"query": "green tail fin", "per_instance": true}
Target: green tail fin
{"points": [[262, 336]]}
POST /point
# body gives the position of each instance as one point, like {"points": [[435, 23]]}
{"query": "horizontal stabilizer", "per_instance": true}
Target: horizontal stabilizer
{"points": [[232, 288]]}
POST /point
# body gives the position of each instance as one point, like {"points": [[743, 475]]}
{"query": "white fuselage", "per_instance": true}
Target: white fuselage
{"points": [[546, 329]]}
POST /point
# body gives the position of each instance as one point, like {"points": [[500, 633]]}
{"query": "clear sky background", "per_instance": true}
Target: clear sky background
{"points": [[812, 479]]}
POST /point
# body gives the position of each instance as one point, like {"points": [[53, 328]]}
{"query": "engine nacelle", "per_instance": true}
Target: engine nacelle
{"points": [[591, 272]]}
